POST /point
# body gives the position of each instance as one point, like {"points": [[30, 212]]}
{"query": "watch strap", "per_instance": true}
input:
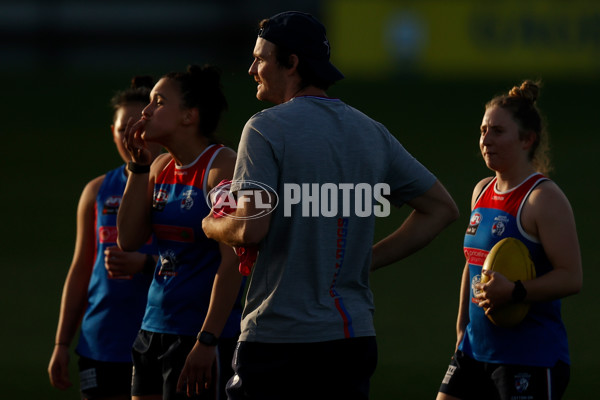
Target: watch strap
{"points": [[138, 168], [207, 338], [519, 292]]}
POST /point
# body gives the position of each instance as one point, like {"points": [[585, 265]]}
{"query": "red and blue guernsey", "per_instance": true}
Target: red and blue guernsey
{"points": [[540, 339], [179, 296], [115, 306]]}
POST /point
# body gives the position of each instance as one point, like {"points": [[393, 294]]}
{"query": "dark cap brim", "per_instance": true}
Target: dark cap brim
{"points": [[324, 69]]}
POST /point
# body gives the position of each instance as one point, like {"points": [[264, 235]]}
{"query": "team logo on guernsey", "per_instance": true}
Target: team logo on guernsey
{"points": [[522, 381], [476, 279], [474, 224], [187, 200], [168, 264], [160, 200], [111, 205], [499, 226]]}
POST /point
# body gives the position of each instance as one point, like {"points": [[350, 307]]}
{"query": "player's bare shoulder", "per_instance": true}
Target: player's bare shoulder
{"points": [[479, 188], [159, 163], [546, 202], [547, 196], [225, 158], [222, 167], [91, 189]]}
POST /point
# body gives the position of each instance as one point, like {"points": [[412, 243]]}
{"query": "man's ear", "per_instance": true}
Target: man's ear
{"points": [[293, 64]]}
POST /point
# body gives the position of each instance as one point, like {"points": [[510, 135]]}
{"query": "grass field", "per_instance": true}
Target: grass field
{"points": [[56, 137]]}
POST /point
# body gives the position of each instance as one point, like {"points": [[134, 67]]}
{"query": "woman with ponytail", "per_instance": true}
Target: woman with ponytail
{"points": [[193, 312], [105, 290], [531, 359]]}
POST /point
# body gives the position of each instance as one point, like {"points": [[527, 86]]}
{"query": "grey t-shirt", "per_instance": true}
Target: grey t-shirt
{"points": [[311, 279]]}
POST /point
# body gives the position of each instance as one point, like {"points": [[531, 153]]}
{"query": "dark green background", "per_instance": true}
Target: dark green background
{"points": [[56, 137]]}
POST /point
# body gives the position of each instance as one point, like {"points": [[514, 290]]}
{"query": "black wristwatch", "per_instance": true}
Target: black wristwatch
{"points": [[208, 339], [519, 292], [138, 168]]}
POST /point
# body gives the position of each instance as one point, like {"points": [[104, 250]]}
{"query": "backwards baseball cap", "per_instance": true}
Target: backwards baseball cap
{"points": [[304, 35]]}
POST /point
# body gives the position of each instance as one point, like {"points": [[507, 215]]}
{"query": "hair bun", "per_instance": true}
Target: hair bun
{"points": [[194, 69], [143, 81], [528, 90], [138, 92]]}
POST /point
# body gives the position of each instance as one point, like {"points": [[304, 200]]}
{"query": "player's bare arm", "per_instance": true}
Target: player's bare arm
{"points": [[198, 370], [548, 215], [222, 167], [133, 219], [463, 305], [75, 289]]}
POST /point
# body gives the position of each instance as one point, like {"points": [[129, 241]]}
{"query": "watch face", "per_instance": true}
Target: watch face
{"points": [[208, 339]]}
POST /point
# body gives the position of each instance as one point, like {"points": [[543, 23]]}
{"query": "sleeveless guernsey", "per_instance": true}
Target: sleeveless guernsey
{"points": [[180, 292], [115, 306], [540, 339]]}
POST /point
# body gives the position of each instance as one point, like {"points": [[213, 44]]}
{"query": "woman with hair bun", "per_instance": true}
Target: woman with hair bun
{"points": [[107, 306], [194, 303], [531, 359]]}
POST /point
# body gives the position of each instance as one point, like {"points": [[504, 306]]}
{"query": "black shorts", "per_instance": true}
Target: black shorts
{"points": [[100, 379], [468, 378], [339, 369], [158, 359]]}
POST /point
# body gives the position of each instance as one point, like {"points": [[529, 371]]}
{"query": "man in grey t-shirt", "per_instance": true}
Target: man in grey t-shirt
{"points": [[312, 173]]}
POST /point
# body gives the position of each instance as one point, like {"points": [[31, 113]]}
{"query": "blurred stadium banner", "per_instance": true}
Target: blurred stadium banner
{"points": [[441, 38]]}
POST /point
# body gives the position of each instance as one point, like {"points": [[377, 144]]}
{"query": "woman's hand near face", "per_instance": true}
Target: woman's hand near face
{"points": [[133, 142]]}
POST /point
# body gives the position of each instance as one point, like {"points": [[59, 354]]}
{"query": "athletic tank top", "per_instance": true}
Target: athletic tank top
{"points": [[540, 339], [115, 306], [179, 296]]}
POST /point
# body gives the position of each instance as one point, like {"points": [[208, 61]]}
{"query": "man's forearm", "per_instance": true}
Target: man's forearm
{"points": [[224, 230], [241, 227]]}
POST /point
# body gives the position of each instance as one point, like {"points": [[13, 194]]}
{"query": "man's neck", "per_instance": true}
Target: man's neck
{"points": [[308, 91]]}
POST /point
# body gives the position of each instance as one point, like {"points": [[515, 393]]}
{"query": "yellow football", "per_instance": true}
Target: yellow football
{"points": [[511, 258]]}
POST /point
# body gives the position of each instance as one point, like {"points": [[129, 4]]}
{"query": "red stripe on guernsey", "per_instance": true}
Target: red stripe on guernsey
{"points": [[173, 174], [182, 234], [509, 201], [475, 256], [95, 224], [109, 234]]}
